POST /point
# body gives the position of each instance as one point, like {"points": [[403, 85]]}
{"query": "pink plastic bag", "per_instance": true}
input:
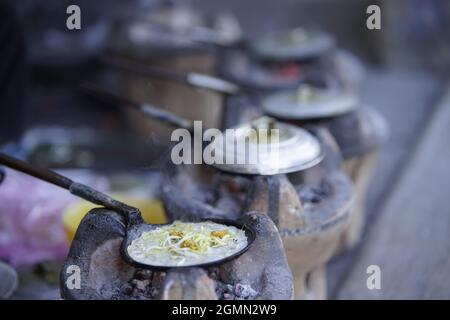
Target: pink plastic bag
{"points": [[31, 228]]}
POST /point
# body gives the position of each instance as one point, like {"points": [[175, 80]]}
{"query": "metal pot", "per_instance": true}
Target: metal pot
{"points": [[175, 38]]}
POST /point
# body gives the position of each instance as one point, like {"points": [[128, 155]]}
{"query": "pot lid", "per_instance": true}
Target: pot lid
{"points": [[267, 147], [295, 44], [143, 35], [240, 68], [309, 102], [179, 28], [223, 28]]}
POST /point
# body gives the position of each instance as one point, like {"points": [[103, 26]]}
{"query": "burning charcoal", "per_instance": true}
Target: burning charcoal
{"points": [[137, 292], [158, 278], [228, 296], [142, 285], [229, 288], [243, 291], [143, 275], [224, 291], [234, 186], [126, 289], [134, 282], [152, 292]]}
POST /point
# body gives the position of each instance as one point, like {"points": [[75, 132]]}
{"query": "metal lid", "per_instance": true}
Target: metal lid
{"points": [[309, 102], [179, 28], [295, 44], [241, 68], [267, 147]]}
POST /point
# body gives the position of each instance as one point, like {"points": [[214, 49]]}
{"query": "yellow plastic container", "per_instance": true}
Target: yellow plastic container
{"points": [[151, 209]]}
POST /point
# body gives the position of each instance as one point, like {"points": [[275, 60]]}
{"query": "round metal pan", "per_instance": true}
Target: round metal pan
{"points": [[136, 233]]}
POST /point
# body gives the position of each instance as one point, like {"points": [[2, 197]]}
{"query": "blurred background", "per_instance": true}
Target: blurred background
{"points": [[45, 117]]}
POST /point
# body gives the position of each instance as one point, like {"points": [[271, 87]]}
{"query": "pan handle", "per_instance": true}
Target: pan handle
{"points": [[193, 79], [211, 83], [41, 174], [77, 189], [152, 112]]}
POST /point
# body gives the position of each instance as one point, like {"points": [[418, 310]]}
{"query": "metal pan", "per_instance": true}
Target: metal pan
{"points": [[136, 232]]}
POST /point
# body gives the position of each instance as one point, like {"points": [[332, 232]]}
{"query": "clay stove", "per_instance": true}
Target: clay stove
{"points": [[327, 96], [311, 208], [260, 273], [359, 133], [301, 77]]}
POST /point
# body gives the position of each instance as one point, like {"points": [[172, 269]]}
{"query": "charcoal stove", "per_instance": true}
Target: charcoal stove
{"points": [[280, 61], [325, 94], [238, 66], [103, 274], [310, 206], [359, 132]]}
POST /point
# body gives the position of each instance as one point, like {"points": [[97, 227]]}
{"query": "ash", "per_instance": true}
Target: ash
{"points": [[229, 195], [238, 291], [145, 284], [226, 291]]}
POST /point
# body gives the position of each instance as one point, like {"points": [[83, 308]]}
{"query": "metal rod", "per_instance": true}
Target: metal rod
{"points": [[152, 112], [42, 174], [153, 71], [78, 189]]}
